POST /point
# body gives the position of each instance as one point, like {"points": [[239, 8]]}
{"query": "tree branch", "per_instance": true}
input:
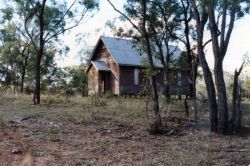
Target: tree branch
{"points": [[59, 21], [195, 11], [223, 26], [21, 31], [241, 67], [136, 27], [27, 29], [66, 29], [230, 27], [210, 40]]}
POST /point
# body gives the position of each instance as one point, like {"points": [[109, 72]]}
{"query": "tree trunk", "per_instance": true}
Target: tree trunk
{"points": [[234, 100], [167, 92], [194, 76], [22, 82], [166, 73], [156, 106], [22, 78], [238, 110], [165, 63], [154, 87], [220, 43], [222, 99], [157, 123], [14, 89], [201, 19], [83, 92], [211, 94], [189, 56], [36, 97], [186, 108], [25, 57], [219, 53]]}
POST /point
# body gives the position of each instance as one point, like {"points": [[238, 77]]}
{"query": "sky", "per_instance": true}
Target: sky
{"points": [[95, 27]]}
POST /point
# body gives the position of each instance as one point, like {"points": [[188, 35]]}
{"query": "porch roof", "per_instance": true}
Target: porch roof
{"points": [[100, 65]]}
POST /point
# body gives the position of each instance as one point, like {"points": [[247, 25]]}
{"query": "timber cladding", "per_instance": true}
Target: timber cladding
{"points": [[127, 80], [95, 77], [116, 66]]}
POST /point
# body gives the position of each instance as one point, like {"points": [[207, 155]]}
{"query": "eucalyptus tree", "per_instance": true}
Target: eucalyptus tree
{"points": [[229, 11], [162, 26], [14, 55], [136, 12], [18, 60], [222, 15], [7, 60], [44, 20], [26, 51], [187, 36], [201, 18], [171, 21]]}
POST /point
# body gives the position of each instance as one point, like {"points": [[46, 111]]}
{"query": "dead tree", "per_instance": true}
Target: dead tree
{"points": [[236, 102]]}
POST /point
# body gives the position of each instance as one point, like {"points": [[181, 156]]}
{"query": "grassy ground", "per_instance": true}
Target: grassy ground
{"points": [[100, 131]]}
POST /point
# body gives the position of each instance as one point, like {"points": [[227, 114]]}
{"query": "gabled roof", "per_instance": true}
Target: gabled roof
{"points": [[125, 53], [122, 50], [100, 65]]}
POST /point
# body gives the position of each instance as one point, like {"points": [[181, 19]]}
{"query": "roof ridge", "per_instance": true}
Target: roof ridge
{"points": [[117, 38]]}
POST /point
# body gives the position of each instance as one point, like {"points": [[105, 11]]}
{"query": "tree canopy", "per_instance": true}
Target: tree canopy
{"points": [[40, 22]]}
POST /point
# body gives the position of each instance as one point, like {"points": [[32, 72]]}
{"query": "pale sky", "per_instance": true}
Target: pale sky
{"points": [[95, 27]]}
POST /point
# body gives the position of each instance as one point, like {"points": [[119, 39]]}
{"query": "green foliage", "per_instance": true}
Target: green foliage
{"points": [[148, 71], [17, 58], [182, 62], [57, 15], [11, 57], [40, 23], [69, 81], [246, 84]]}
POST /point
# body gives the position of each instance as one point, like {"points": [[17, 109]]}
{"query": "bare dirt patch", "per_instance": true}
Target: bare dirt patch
{"points": [[79, 134]]}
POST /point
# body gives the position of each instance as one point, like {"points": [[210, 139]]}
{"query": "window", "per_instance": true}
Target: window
{"points": [[136, 76], [179, 78]]}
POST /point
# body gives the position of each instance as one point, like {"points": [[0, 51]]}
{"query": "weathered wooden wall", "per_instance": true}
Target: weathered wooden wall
{"points": [[176, 89], [103, 55], [121, 78], [93, 81], [127, 85]]}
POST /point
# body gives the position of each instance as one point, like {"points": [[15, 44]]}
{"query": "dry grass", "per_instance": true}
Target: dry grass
{"points": [[246, 112], [77, 131]]}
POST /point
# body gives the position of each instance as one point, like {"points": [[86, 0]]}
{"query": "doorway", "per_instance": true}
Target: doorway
{"points": [[104, 81]]}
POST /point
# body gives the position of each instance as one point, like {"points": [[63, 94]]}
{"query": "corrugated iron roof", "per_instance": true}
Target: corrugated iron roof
{"points": [[100, 65], [125, 52]]}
